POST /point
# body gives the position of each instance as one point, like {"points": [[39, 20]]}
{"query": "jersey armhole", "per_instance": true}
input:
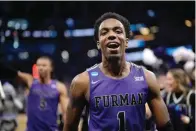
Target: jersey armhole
{"points": [[89, 88], [142, 69]]}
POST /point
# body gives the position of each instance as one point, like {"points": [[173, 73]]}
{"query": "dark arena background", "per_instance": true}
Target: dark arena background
{"points": [[163, 38]]}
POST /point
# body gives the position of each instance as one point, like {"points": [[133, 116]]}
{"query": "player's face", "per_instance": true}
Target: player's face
{"points": [[171, 82], [112, 38], [44, 67]]}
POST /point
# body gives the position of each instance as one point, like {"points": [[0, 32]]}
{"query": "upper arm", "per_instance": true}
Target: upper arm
{"points": [[155, 100], [77, 101], [63, 98], [26, 77]]}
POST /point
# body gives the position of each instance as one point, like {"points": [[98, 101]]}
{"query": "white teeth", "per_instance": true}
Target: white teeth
{"points": [[113, 45]]}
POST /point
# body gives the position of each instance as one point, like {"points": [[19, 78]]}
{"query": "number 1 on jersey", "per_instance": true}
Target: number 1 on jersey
{"points": [[122, 121]]}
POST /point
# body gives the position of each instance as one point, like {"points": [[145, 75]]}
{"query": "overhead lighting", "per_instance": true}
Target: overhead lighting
{"points": [[188, 23], [70, 22], [154, 29], [145, 37], [65, 56], [37, 34], [23, 55], [144, 31], [26, 33], [92, 53], [24, 26], [136, 43], [16, 44], [10, 24], [151, 13], [7, 33]]}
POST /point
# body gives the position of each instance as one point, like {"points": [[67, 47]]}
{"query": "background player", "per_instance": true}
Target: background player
{"points": [[114, 90], [44, 96]]}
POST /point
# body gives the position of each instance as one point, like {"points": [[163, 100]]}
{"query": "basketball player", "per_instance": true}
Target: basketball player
{"points": [[115, 91], [44, 96]]}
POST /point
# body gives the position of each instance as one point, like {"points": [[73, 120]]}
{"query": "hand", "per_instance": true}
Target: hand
{"points": [[185, 119]]}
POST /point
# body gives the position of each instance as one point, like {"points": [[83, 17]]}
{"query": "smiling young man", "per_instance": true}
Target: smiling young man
{"points": [[115, 91]]}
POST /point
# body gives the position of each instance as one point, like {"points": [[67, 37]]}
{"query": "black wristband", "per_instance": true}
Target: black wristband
{"points": [[167, 127]]}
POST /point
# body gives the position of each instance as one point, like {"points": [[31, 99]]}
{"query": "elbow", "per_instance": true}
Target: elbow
{"points": [[166, 127]]}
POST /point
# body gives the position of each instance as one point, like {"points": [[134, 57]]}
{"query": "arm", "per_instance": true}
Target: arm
{"points": [[77, 101], [10, 72], [63, 98], [26, 77], [156, 103], [148, 111]]}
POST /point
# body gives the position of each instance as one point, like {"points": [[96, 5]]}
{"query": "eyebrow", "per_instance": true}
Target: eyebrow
{"points": [[116, 27]]}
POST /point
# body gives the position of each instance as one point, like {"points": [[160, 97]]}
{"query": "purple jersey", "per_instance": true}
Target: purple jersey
{"points": [[42, 107], [117, 104]]}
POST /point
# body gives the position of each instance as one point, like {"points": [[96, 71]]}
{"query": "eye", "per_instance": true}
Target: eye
{"points": [[103, 32], [118, 31]]}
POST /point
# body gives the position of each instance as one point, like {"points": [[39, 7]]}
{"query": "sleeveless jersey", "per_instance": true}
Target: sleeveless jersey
{"points": [[117, 104], [42, 107]]}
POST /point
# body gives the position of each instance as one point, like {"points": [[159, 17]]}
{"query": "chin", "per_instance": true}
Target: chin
{"points": [[113, 57]]}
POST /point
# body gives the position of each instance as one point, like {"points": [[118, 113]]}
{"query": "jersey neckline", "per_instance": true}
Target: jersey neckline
{"points": [[117, 79]]}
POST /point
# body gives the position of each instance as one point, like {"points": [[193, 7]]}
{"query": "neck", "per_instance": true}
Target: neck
{"points": [[114, 66], [45, 80]]}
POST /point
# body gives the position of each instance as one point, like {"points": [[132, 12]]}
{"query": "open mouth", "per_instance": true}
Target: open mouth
{"points": [[113, 45]]}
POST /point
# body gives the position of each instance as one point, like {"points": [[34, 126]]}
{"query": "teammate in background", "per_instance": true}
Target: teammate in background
{"points": [[44, 96], [115, 91]]}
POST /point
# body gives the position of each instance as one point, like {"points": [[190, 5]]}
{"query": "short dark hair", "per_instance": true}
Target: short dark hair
{"points": [[48, 58], [109, 15], [52, 64]]}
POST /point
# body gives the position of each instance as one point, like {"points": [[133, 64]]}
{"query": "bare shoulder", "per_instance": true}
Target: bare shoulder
{"points": [[61, 87], [152, 82], [149, 75], [80, 83]]}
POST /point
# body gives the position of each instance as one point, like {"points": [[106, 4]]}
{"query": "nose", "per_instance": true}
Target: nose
{"points": [[40, 69], [111, 36]]}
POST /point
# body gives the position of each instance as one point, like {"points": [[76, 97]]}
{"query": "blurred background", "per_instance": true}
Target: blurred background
{"points": [[163, 35]]}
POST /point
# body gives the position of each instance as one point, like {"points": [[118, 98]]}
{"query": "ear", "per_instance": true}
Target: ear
{"points": [[127, 41], [130, 34], [98, 45]]}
